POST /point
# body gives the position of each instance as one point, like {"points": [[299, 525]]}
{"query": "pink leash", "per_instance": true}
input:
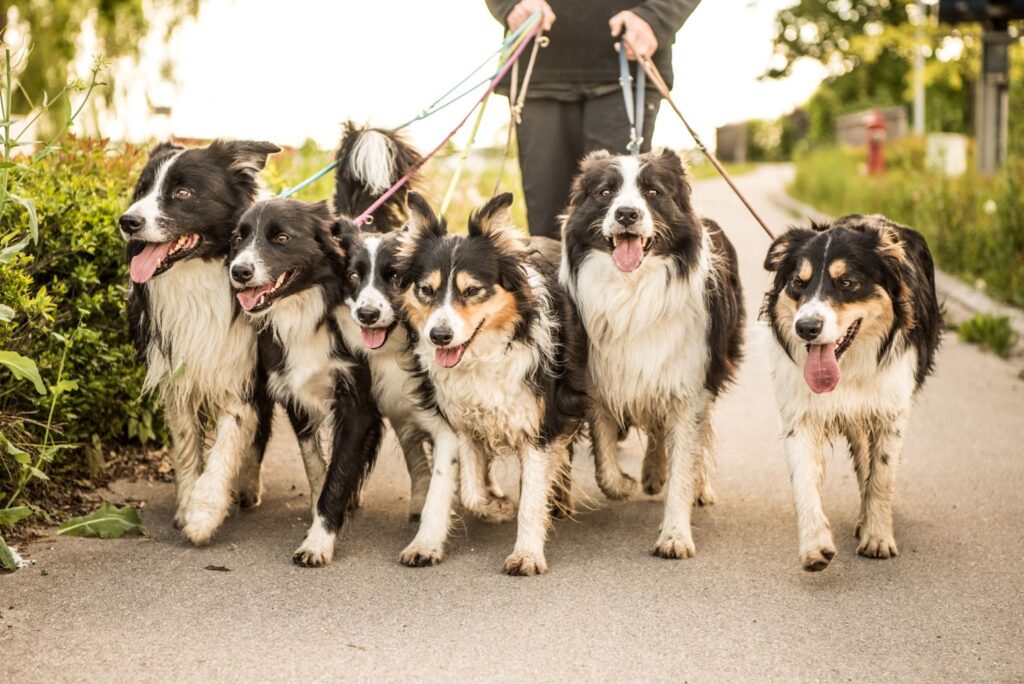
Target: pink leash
{"points": [[368, 214]]}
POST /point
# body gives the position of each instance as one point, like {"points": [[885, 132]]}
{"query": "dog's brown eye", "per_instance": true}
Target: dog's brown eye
{"points": [[182, 193], [847, 284], [652, 193], [606, 193], [281, 238], [236, 240], [473, 291], [353, 277], [797, 282], [424, 291]]}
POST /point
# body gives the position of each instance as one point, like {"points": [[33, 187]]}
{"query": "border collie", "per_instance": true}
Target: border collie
{"points": [[502, 352], [286, 268], [855, 327], [658, 293], [201, 354], [373, 325]]}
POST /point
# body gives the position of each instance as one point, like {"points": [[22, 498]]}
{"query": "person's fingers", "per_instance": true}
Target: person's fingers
{"points": [[549, 17], [517, 16], [617, 23], [629, 52]]}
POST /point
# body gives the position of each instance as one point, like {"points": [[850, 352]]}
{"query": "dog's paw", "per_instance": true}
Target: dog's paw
{"points": [[179, 518], [706, 496], [201, 521], [250, 498], [421, 555], [622, 488], [675, 545], [817, 551], [877, 546], [317, 548], [653, 481], [525, 564], [496, 510]]}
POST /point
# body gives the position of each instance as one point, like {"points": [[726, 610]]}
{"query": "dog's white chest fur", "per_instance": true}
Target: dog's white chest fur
{"points": [[487, 397], [311, 368], [647, 332], [394, 386], [205, 352]]}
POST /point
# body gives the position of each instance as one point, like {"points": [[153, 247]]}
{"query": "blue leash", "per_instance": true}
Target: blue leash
{"points": [[634, 106], [434, 107]]}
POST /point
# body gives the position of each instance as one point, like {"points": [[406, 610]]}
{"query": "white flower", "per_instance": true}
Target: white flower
{"points": [[990, 207]]}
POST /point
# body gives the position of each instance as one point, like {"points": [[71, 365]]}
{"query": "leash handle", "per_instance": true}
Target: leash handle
{"points": [[634, 106]]}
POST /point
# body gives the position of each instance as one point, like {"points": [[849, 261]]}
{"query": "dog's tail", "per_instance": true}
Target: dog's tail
{"points": [[370, 161]]}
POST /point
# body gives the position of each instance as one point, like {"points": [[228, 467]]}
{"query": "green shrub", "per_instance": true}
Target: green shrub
{"points": [[70, 286], [974, 224], [992, 332]]}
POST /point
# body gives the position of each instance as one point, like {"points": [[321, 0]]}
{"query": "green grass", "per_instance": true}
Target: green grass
{"points": [[992, 332]]}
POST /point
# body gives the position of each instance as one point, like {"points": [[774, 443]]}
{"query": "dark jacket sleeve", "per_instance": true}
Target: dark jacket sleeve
{"points": [[666, 17], [500, 8]]}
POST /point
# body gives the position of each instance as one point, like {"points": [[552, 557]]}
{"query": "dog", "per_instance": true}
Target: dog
{"points": [[501, 352], [201, 355], [287, 269], [373, 323], [658, 293], [855, 327]]}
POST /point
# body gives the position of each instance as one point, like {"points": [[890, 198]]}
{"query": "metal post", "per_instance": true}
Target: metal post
{"points": [[922, 17], [992, 98]]}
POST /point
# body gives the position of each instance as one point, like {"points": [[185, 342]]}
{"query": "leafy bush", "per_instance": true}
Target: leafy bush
{"points": [[974, 224], [67, 293], [991, 332]]}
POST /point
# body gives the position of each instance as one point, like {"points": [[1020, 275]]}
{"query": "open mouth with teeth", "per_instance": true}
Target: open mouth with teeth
{"points": [[157, 257], [449, 357], [374, 338], [821, 370], [255, 299], [628, 250]]}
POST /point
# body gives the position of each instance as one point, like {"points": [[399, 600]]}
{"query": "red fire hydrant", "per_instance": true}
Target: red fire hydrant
{"points": [[875, 124]]}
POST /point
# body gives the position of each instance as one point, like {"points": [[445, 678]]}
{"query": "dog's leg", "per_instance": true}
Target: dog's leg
{"points": [[186, 454], [682, 440], [807, 472], [527, 557], [250, 477], [655, 463], [312, 452], [706, 467], [876, 536], [356, 431], [211, 496], [563, 504], [473, 487], [860, 452], [427, 548], [604, 433], [412, 440]]}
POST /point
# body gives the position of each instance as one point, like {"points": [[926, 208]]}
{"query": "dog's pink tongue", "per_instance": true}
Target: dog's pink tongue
{"points": [[628, 254], [145, 263], [448, 356], [374, 337], [249, 298], [822, 370]]}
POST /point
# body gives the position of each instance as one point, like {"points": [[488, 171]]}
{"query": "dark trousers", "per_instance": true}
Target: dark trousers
{"points": [[555, 135]]}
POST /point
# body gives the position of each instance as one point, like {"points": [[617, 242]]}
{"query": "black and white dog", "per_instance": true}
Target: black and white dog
{"points": [[855, 326], [658, 292], [287, 270], [201, 354], [502, 354]]}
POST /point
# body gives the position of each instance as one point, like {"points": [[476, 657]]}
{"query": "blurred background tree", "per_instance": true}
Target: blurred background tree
{"points": [[53, 28]]}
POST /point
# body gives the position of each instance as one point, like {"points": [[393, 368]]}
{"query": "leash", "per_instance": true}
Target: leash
{"points": [[529, 34], [634, 106], [516, 102], [438, 104], [662, 88]]}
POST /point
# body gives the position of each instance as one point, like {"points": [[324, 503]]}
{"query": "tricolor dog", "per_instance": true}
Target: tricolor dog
{"points": [[855, 326]]}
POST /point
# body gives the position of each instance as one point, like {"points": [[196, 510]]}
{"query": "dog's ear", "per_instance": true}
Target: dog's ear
{"points": [[494, 222], [322, 210], [588, 166], [164, 148], [783, 246], [422, 219], [247, 157]]}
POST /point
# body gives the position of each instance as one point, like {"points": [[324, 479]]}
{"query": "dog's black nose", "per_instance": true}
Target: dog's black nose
{"points": [[367, 315], [242, 273], [809, 328], [442, 337], [131, 223], [627, 216]]}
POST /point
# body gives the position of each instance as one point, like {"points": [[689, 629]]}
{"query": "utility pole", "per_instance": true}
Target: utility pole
{"points": [[919, 43]]}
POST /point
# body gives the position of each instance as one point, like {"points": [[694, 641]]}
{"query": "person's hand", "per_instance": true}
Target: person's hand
{"points": [[640, 38], [522, 11]]}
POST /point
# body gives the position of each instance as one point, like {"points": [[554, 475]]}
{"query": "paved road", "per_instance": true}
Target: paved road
{"points": [[950, 607]]}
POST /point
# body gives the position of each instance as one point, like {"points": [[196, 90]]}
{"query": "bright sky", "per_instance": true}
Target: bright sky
{"points": [[290, 71]]}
